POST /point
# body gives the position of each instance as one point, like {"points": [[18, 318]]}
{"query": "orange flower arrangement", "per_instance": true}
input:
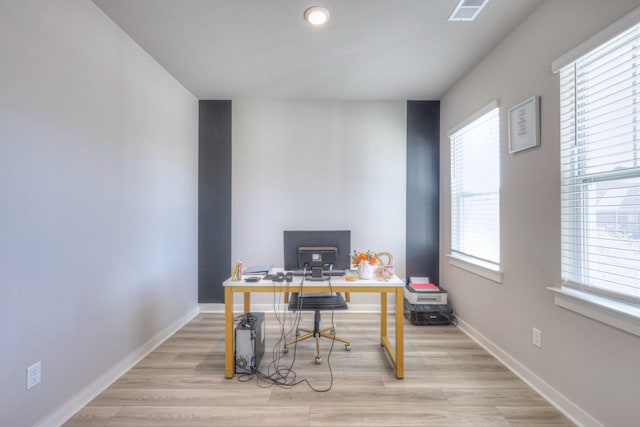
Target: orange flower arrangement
{"points": [[359, 257]]}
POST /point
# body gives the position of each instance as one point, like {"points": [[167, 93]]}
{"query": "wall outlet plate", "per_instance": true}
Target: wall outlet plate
{"points": [[537, 338], [34, 375]]}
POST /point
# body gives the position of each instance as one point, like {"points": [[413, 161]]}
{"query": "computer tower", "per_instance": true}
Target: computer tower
{"points": [[249, 342]]}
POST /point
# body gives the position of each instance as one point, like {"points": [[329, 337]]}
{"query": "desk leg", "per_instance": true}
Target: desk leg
{"points": [[383, 317], [229, 365], [400, 332], [247, 302]]}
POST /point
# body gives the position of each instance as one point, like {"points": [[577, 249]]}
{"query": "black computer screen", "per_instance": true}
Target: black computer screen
{"points": [[339, 239]]}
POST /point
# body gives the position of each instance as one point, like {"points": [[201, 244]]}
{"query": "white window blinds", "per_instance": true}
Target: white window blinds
{"points": [[600, 167], [475, 189]]}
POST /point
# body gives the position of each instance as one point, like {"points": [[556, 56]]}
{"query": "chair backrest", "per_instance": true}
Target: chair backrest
{"points": [[317, 302]]}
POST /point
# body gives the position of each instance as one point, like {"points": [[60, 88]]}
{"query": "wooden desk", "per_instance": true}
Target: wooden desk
{"points": [[338, 284]]}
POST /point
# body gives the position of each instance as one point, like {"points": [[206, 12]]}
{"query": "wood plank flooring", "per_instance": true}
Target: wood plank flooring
{"points": [[449, 381]]}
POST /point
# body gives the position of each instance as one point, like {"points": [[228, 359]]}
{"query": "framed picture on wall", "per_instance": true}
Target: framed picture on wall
{"points": [[524, 125]]}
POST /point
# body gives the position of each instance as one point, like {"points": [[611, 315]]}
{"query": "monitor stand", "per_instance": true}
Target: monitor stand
{"points": [[316, 274]]}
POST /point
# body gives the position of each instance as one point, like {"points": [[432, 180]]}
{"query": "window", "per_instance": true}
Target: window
{"points": [[600, 167], [475, 190]]}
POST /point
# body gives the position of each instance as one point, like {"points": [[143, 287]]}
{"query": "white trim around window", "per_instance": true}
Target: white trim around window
{"points": [[472, 265], [614, 313], [475, 116]]}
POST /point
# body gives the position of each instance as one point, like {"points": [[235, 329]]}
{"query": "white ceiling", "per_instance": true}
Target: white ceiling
{"points": [[370, 49]]}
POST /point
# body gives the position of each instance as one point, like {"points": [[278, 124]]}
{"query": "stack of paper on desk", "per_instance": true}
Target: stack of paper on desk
{"points": [[422, 284]]}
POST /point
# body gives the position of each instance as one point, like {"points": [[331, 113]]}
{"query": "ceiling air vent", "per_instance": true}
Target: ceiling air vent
{"points": [[467, 10]]}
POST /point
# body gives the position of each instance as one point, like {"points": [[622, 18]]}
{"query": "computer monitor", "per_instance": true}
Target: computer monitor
{"points": [[335, 243]]}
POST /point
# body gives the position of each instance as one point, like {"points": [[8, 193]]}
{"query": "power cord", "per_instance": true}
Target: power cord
{"points": [[283, 375]]}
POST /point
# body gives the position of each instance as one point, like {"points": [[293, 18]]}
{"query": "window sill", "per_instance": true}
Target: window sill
{"points": [[468, 264], [613, 313]]}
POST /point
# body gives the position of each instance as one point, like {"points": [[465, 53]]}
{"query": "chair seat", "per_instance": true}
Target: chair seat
{"points": [[313, 302], [317, 302]]}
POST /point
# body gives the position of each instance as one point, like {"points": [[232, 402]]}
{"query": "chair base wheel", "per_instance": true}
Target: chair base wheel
{"points": [[318, 360], [285, 350], [347, 347]]}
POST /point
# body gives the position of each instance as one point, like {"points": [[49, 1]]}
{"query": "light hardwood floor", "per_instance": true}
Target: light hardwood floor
{"points": [[449, 381]]}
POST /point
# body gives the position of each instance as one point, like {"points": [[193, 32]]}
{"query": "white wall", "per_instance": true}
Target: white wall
{"points": [[318, 166], [98, 190], [594, 366]]}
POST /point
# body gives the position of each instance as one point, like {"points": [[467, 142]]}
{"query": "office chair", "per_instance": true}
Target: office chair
{"points": [[316, 303]]}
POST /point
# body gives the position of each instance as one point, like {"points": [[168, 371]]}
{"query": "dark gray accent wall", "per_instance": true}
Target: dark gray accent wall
{"points": [[214, 200], [423, 183]]}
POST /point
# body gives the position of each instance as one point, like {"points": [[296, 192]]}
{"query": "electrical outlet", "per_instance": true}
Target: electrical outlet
{"points": [[537, 338], [34, 375]]}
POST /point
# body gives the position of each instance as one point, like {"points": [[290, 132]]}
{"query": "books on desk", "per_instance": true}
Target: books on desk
{"points": [[258, 269]]}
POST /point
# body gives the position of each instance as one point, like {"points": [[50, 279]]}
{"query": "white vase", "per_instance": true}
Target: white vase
{"points": [[365, 270]]}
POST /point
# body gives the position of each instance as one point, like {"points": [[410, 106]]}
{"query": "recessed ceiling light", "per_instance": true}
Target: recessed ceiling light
{"points": [[316, 15]]}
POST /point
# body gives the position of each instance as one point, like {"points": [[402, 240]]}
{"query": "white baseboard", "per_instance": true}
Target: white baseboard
{"points": [[553, 396], [80, 400], [268, 308]]}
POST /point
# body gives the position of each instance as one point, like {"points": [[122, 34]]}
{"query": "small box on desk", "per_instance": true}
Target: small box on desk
{"points": [[429, 314]]}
